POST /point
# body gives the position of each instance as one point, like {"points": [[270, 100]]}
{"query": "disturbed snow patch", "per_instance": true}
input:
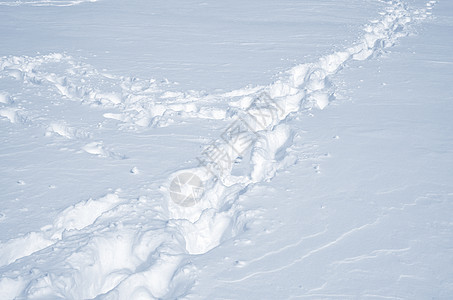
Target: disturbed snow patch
{"points": [[74, 217]]}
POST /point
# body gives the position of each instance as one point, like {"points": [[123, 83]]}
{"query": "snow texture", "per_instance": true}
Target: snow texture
{"points": [[225, 194]]}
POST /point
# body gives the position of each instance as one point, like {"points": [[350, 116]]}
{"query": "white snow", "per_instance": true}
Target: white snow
{"points": [[45, 2], [304, 151]]}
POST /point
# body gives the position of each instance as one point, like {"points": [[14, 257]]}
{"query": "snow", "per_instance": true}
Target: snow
{"points": [[304, 151]]}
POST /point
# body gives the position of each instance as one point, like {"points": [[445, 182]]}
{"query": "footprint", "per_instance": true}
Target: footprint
{"points": [[5, 98], [10, 113]]}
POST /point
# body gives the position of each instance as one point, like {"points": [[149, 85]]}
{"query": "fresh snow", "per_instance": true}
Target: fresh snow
{"points": [[304, 151]]}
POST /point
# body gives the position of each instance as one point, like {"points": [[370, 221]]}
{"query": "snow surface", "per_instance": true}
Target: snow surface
{"points": [[305, 151]]}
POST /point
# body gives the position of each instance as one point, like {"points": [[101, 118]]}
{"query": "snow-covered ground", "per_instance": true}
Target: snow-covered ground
{"points": [[205, 150]]}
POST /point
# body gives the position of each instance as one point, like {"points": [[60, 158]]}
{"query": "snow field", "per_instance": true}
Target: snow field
{"points": [[113, 248]]}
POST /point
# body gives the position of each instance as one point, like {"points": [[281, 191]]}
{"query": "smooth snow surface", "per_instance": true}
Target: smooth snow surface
{"points": [[305, 151]]}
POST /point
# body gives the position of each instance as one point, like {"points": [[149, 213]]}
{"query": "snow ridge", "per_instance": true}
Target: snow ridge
{"points": [[113, 248]]}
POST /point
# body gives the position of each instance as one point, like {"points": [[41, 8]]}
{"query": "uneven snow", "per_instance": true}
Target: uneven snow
{"points": [[146, 246]]}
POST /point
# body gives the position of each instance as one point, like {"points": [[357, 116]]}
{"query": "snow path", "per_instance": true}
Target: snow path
{"points": [[116, 248]]}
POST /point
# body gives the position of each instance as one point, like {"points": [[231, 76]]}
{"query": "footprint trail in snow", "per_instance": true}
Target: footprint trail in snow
{"points": [[115, 248]]}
